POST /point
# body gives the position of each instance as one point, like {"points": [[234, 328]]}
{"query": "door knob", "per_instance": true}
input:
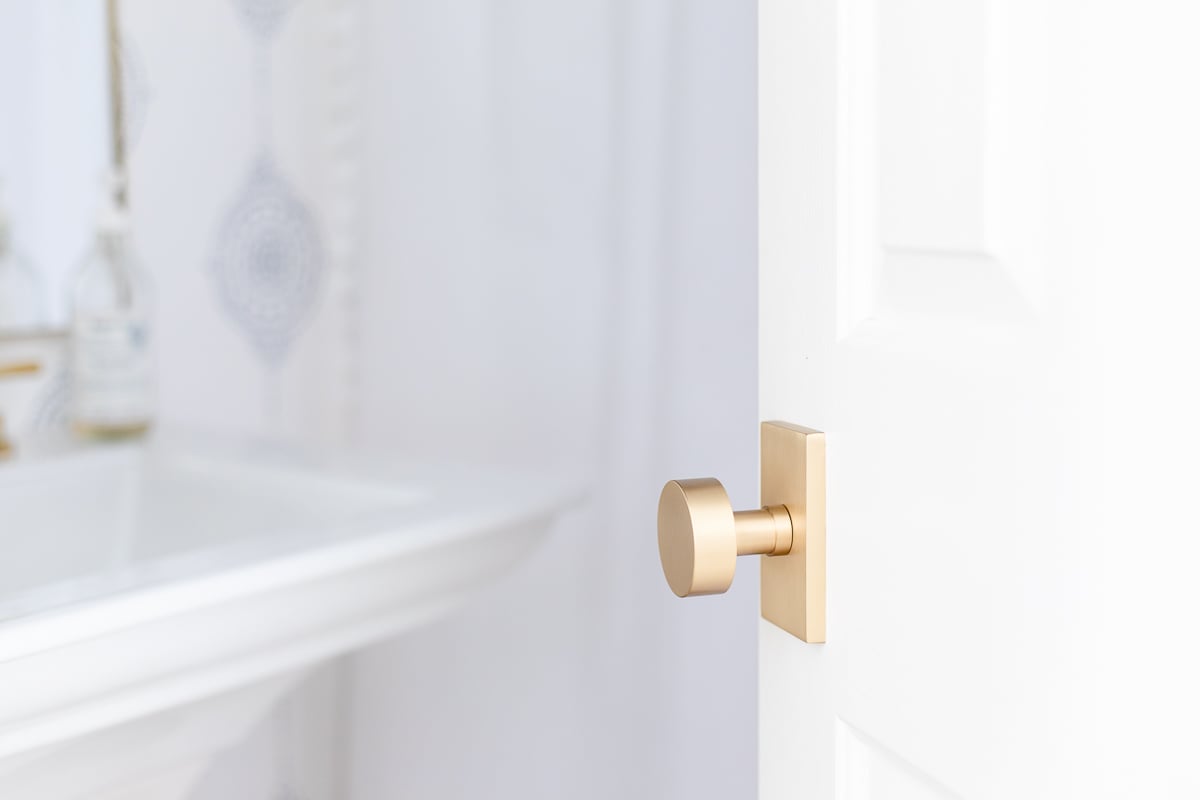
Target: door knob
{"points": [[700, 536]]}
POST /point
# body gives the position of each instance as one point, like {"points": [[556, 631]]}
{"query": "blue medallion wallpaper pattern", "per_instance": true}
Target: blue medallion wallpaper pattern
{"points": [[267, 259], [267, 262]]}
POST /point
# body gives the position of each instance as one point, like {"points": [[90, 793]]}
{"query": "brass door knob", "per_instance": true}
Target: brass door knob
{"points": [[700, 536]]}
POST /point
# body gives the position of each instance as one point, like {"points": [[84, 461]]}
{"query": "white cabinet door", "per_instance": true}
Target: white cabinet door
{"points": [[980, 275]]}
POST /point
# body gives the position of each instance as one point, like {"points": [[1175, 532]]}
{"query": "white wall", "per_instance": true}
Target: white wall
{"points": [[560, 271]]}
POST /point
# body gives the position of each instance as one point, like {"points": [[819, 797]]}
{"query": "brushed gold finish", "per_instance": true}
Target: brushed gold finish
{"points": [[19, 368], [793, 475], [767, 531], [116, 103], [696, 540], [700, 536], [113, 432], [14, 370]]}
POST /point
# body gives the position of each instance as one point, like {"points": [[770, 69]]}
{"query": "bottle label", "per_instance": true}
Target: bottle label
{"points": [[111, 370]]}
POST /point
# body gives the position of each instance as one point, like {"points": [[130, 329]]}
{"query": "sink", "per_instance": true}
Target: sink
{"points": [[157, 598]]}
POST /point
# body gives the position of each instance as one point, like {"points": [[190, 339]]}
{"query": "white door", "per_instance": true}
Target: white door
{"points": [[980, 275]]}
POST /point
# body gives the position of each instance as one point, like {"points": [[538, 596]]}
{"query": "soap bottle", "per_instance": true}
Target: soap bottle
{"points": [[111, 368], [20, 289]]}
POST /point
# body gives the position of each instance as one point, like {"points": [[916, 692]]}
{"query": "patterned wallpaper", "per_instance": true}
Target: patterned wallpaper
{"points": [[267, 258], [243, 167], [267, 261]]}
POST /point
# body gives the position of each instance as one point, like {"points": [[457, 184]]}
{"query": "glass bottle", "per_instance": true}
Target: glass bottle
{"points": [[110, 358]]}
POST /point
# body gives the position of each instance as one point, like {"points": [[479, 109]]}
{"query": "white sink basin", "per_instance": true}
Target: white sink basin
{"points": [[141, 579]]}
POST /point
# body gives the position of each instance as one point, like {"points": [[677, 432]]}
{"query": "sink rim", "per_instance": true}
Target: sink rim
{"points": [[24, 635], [97, 664], [435, 514]]}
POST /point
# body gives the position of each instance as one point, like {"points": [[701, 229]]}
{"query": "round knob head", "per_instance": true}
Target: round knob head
{"points": [[696, 538]]}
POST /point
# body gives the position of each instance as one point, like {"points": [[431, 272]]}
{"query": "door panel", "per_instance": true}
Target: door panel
{"points": [[970, 278], [929, 94], [940, 185]]}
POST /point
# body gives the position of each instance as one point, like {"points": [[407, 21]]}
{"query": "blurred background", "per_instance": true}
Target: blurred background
{"points": [[515, 233]]}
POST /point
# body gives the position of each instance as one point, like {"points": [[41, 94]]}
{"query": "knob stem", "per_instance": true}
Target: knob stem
{"points": [[765, 531]]}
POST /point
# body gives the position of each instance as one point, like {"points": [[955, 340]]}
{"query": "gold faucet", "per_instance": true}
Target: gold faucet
{"points": [[13, 370]]}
